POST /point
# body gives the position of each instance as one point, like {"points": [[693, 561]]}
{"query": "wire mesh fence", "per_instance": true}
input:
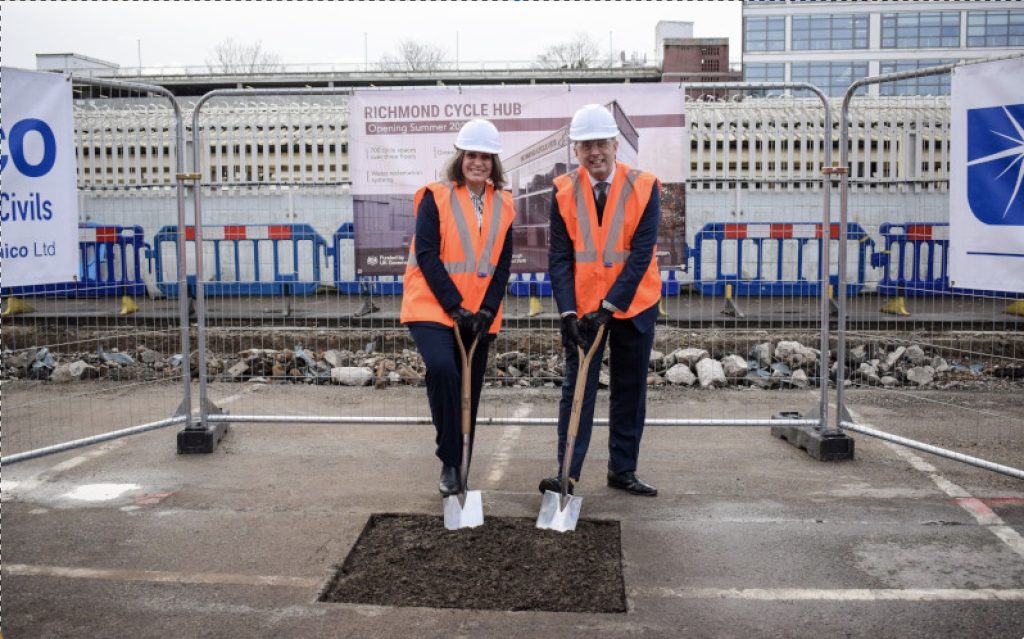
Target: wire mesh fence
{"points": [[747, 312], [68, 345]]}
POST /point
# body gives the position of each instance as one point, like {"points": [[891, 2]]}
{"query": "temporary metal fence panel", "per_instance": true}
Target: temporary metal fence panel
{"points": [[70, 346], [937, 348], [348, 332]]}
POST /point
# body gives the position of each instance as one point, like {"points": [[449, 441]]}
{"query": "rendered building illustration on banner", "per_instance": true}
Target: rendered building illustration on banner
{"points": [[38, 205], [401, 140], [986, 212]]}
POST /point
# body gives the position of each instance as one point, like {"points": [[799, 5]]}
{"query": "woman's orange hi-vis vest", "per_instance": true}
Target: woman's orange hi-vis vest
{"points": [[469, 253], [601, 250]]}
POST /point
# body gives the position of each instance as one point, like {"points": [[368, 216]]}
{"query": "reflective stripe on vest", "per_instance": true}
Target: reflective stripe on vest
{"points": [[589, 253], [483, 266]]}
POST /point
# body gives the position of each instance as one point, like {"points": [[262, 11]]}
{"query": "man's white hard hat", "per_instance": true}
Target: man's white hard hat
{"points": [[592, 122], [478, 135]]}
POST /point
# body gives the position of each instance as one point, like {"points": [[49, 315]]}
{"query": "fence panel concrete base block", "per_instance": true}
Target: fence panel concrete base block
{"points": [[821, 444]]}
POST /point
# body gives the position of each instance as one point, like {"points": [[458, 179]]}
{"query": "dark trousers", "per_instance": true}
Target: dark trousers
{"points": [[628, 363], [440, 353]]}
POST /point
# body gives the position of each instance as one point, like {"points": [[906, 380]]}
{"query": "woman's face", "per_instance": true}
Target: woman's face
{"points": [[476, 166]]}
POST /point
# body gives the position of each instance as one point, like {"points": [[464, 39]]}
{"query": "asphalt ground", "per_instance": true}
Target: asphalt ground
{"points": [[749, 536]]}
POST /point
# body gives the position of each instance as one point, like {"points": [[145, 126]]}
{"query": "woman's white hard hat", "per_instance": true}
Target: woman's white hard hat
{"points": [[592, 122], [478, 135]]}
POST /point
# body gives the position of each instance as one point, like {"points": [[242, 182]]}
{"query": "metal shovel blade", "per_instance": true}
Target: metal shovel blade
{"points": [[556, 516], [468, 514]]}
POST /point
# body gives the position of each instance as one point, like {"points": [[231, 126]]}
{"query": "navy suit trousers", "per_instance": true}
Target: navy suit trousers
{"points": [[629, 360], [440, 353]]}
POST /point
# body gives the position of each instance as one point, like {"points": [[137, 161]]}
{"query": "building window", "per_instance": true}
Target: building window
{"points": [[927, 85], [995, 28], [833, 78], [764, 33], [764, 73], [844, 31], [921, 30]]}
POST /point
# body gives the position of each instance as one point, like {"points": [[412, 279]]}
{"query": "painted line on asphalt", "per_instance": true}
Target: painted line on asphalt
{"points": [[35, 480], [982, 514], [503, 452], [161, 576], [852, 594]]}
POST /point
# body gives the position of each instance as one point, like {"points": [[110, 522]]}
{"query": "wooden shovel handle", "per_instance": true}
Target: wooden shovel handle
{"points": [[467, 385], [579, 391]]}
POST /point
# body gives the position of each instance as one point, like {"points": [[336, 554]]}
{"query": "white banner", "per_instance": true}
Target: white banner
{"points": [[401, 140], [38, 203], [986, 209]]}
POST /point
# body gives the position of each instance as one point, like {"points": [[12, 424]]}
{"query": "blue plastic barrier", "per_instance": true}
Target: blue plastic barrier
{"points": [[110, 263], [294, 258], [795, 247], [919, 255], [363, 284]]}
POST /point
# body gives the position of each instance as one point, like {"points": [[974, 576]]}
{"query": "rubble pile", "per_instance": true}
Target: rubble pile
{"points": [[767, 365]]}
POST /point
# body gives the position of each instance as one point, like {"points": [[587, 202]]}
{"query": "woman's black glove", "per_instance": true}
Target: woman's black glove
{"points": [[571, 336], [593, 321], [464, 320], [483, 320]]}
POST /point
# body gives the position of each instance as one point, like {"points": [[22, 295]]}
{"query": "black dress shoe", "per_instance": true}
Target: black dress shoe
{"points": [[449, 484], [554, 484], [629, 482]]}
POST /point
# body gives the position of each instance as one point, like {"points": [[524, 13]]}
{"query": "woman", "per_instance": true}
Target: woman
{"points": [[455, 279]]}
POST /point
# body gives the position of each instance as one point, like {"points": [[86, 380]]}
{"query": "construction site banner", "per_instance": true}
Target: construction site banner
{"points": [[986, 212], [400, 140], [38, 203]]}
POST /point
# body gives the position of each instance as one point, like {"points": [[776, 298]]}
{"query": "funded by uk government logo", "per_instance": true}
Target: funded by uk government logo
{"points": [[995, 164]]}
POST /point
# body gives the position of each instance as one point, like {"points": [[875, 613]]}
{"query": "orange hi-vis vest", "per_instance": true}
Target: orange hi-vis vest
{"points": [[601, 250], [469, 253]]}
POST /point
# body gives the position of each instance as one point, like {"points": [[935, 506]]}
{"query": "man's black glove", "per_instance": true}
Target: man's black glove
{"points": [[571, 337], [593, 321], [482, 322]]}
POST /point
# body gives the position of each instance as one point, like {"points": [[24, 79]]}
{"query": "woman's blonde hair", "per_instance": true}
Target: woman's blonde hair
{"points": [[453, 170]]}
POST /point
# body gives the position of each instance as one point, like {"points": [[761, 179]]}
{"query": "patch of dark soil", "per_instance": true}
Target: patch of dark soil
{"points": [[506, 564]]}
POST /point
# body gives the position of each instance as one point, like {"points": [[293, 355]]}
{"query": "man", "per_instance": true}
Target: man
{"points": [[604, 226]]}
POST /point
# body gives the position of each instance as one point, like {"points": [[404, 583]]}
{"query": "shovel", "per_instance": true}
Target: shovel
{"points": [[561, 511], [465, 509]]}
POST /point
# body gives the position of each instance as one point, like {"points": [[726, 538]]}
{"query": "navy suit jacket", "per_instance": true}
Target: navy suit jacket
{"points": [[428, 256], [561, 260]]}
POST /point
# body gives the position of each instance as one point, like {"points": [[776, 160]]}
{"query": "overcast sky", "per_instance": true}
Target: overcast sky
{"points": [[184, 33]]}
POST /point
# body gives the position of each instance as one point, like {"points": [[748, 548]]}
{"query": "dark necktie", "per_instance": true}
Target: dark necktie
{"points": [[600, 197]]}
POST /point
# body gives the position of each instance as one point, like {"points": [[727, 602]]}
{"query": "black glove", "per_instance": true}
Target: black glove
{"points": [[482, 322], [593, 321], [571, 336], [464, 321]]}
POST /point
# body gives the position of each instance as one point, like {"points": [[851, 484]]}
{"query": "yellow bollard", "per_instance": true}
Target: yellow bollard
{"points": [[535, 307], [896, 306], [16, 306], [128, 305], [730, 305], [1017, 308]]}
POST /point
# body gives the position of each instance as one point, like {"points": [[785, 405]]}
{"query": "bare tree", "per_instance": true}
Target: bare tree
{"points": [[237, 57], [579, 53], [414, 56]]}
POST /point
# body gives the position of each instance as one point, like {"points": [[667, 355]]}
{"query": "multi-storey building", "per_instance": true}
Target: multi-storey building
{"points": [[831, 44]]}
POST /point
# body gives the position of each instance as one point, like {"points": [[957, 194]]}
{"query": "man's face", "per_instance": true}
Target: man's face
{"points": [[597, 156]]}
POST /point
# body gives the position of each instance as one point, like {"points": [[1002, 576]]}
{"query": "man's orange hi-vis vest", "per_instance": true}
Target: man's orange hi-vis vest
{"points": [[469, 253], [601, 250]]}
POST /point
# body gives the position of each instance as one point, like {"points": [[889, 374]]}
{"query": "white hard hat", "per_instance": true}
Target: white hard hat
{"points": [[478, 135], [592, 122]]}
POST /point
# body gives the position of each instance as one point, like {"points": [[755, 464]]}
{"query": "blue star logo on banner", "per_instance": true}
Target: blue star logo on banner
{"points": [[995, 164]]}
